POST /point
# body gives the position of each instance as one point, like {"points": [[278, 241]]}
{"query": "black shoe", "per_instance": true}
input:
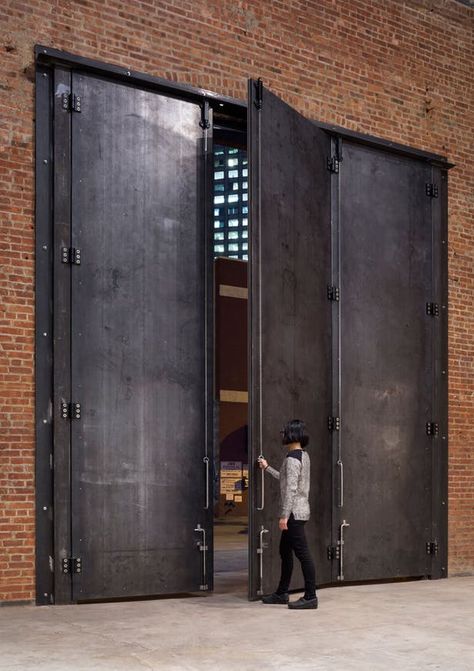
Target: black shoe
{"points": [[303, 603], [275, 598]]}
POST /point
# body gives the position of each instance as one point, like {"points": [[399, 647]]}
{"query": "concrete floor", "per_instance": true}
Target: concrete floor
{"points": [[389, 627]]}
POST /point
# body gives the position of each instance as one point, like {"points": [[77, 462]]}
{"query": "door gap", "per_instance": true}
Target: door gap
{"points": [[229, 223]]}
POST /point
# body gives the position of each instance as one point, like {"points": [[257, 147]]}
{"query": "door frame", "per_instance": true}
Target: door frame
{"points": [[230, 112]]}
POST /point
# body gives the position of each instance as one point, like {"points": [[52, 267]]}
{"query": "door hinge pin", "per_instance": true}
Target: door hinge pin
{"points": [[72, 565], [258, 93], [432, 429], [71, 410], [431, 190], [71, 102], [432, 309], [333, 164], [334, 423], [205, 123], [71, 255], [333, 293], [432, 548]]}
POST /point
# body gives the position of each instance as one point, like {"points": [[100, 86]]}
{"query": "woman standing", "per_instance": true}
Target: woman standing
{"points": [[294, 476]]}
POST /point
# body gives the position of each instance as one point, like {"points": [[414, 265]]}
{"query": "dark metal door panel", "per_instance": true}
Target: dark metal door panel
{"points": [[290, 320], [386, 363], [138, 343]]}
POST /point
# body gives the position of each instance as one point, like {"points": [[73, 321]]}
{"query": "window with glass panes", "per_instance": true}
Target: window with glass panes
{"points": [[230, 202]]}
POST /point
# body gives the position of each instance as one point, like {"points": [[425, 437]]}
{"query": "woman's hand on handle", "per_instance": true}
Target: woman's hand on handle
{"points": [[263, 463]]}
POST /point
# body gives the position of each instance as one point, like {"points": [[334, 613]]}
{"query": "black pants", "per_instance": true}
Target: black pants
{"points": [[294, 540]]}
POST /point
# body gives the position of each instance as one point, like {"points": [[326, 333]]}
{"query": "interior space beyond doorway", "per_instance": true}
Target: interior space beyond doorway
{"points": [[229, 222]]}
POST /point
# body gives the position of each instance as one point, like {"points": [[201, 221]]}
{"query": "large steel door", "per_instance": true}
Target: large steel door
{"points": [[138, 344], [290, 321], [386, 364]]}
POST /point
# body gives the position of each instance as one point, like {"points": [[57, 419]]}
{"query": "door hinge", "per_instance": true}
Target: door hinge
{"points": [[71, 410], [51, 563], [71, 255], [333, 293], [333, 552], [431, 190], [334, 423], [432, 428], [333, 164], [258, 93], [72, 565], [205, 123], [432, 309], [71, 102], [432, 548]]}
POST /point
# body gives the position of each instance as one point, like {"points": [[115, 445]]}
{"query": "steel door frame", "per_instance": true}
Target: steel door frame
{"points": [[47, 59]]}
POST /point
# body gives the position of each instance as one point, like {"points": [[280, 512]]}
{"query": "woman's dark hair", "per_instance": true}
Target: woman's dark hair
{"points": [[295, 432]]}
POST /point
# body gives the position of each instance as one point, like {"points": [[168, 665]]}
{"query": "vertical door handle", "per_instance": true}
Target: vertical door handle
{"points": [[206, 462], [262, 487], [341, 483]]}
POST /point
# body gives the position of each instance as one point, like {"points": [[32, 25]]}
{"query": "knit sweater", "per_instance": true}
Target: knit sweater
{"points": [[294, 476]]}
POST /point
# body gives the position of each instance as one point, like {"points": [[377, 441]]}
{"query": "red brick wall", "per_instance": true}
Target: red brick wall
{"points": [[393, 68]]}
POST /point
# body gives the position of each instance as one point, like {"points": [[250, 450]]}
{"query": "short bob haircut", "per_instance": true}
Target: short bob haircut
{"points": [[295, 432]]}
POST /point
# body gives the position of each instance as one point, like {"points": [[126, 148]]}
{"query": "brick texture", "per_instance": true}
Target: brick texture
{"points": [[400, 69]]}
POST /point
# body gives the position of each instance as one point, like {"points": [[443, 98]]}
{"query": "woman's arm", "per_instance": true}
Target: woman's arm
{"points": [[273, 472], [263, 463]]}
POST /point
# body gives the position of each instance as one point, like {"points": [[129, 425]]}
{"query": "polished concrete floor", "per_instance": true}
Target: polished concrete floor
{"points": [[391, 627]]}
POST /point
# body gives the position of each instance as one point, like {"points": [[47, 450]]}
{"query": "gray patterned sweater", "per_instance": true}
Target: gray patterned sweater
{"points": [[294, 484]]}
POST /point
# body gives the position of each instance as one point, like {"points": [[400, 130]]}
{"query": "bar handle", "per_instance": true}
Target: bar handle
{"points": [[206, 462], [341, 483], [262, 487]]}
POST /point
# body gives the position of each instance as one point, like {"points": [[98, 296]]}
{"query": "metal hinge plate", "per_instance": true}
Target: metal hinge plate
{"points": [[333, 293], [334, 552], [71, 410], [333, 164], [71, 255], [72, 565], [432, 309], [432, 548], [71, 102], [334, 423], [431, 190], [432, 428]]}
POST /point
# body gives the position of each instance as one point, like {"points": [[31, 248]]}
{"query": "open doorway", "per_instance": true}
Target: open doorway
{"points": [[230, 249]]}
